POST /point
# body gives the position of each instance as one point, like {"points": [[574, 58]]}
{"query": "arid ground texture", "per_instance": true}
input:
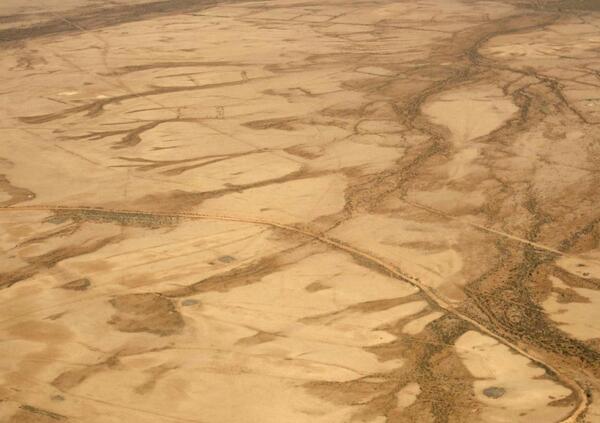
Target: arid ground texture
{"points": [[298, 211]]}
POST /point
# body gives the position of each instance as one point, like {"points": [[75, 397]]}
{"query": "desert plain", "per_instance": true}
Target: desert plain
{"points": [[300, 211]]}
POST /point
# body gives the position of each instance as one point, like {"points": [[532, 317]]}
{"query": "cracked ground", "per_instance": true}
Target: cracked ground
{"points": [[300, 211]]}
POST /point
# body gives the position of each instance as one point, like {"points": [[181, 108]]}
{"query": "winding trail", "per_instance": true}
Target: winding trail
{"points": [[583, 401]]}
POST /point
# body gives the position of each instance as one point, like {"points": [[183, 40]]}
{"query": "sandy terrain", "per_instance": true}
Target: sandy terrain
{"points": [[291, 211]]}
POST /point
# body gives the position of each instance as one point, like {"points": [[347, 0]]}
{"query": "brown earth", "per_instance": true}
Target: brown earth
{"points": [[300, 211]]}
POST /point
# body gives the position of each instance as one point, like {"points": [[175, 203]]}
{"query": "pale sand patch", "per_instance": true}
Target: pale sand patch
{"points": [[4, 196], [449, 200], [370, 158], [311, 334], [418, 247], [523, 392], [185, 140], [348, 284], [214, 363], [408, 395], [245, 169], [313, 18], [14, 349], [379, 126], [355, 324], [521, 46], [462, 163], [471, 112], [585, 266], [579, 319], [375, 70], [294, 201], [92, 180], [416, 326], [226, 392]]}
